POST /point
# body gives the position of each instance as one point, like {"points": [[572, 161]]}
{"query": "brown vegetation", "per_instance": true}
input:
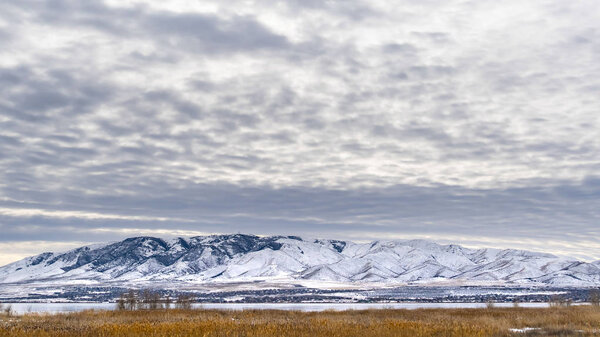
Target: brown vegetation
{"points": [[558, 321]]}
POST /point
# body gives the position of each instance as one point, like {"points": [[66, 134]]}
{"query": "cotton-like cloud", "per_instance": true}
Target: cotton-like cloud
{"points": [[438, 119]]}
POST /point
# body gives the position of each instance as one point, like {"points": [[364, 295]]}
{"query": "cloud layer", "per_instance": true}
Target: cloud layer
{"points": [[468, 121]]}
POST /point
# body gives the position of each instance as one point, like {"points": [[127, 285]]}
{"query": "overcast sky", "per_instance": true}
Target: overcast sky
{"points": [[471, 122]]}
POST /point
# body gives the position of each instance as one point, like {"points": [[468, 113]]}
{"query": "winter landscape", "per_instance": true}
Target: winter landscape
{"points": [[304, 168]]}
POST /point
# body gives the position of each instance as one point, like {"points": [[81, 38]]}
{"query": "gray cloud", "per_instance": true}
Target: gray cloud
{"points": [[561, 212], [177, 32], [341, 119], [213, 34]]}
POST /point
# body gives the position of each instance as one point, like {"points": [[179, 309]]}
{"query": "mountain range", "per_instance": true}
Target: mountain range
{"points": [[247, 258]]}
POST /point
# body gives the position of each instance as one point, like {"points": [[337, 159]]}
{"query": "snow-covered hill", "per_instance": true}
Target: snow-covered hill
{"points": [[247, 258]]}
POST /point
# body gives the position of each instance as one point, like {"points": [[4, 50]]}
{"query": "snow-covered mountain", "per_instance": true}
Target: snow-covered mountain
{"points": [[248, 258]]}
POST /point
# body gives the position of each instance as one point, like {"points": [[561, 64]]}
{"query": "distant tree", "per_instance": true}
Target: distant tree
{"points": [[516, 302], [154, 301], [168, 302], [183, 301], [555, 301], [150, 300], [6, 309], [122, 302], [131, 301], [558, 301], [594, 297], [144, 299]]}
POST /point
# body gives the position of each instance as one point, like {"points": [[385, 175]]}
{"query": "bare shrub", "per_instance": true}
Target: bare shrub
{"points": [[143, 300], [516, 302], [154, 302], [122, 302], [6, 310], [558, 301], [131, 300], [555, 301], [150, 300], [594, 297], [167, 302], [184, 302]]}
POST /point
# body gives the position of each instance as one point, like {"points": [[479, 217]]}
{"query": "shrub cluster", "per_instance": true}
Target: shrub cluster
{"points": [[595, 297], [152, 300], [6, 310]]}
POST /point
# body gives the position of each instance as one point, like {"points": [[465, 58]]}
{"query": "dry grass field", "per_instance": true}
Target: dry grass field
{"points": [[571, 321]]}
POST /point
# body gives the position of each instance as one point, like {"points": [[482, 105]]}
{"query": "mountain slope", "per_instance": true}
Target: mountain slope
{"points": [[247, 258]]}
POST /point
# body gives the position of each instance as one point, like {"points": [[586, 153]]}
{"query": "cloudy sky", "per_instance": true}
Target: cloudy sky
{"points": [[472, 122]]}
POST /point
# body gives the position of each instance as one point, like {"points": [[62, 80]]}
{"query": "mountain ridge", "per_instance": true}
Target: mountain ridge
{"points": [[249, 258]]}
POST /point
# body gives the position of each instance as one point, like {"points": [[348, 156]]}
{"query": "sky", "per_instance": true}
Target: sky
{"points": [[468, 122]]}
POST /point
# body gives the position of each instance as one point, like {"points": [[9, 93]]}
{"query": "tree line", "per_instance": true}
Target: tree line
{"points": [[152, 300]]}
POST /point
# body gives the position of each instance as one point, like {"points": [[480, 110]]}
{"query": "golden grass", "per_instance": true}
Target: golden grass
{"points": [[573, 321]]}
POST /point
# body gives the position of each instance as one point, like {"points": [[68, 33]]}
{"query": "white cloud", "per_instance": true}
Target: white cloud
{"points": [[29, 212], [14, 251]]}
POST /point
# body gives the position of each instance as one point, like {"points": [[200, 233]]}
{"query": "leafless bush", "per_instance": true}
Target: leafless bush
{"points": [[128, 301], [150, 300], [6, 310], [516, 302], [167, 302], [143, 300], [558, 301], [122, 302], [183, 302], [594, 297]]}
